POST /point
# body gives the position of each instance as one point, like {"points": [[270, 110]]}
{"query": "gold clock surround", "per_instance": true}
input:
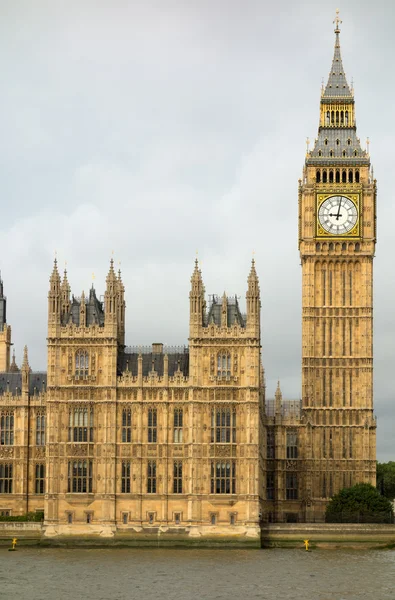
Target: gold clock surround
{"points": [[355, 198]]}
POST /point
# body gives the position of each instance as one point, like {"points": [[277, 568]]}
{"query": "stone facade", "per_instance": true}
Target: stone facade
{"points": [[181, 440]]}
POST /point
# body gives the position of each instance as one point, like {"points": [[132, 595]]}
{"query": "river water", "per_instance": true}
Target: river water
{"points": [[177, 574]]}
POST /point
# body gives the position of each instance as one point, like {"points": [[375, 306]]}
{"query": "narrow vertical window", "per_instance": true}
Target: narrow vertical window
{"points": [[330, 287], [151, 477], [350, 337], [292, 444], [291, 486], [344, 337], [40, 479], [350, 448], [344, 388], [350, 388], [223, 365], [270, 485], [82, 364], [324, 443], [350, 288], [125, 477], [152, 425], [177, 477], [323, 493], [330, 443], [330, 485], [330, 337], [330, 388], [7, 429], [40, 430], [178, 426], [324, 389], [6, 478], [344, 444], [270, 445], [324, 338], [126, 425]]}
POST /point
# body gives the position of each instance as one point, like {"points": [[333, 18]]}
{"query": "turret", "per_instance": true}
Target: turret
{"points": [[196, 300], [25, 370], [253, 302], [54, 296], [278, 398], [5, 332], [121, 310], [65, 295], [83, 310], [110, 296]]}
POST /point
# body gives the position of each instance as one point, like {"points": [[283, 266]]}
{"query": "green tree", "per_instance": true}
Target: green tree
{"points": [[385, 481], [360, 503]]}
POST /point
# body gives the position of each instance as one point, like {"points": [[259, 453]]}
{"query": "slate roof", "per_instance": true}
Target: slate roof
{"points": [[337, 86], [93, 309], [13, 383], [331, 143], [233, 312], [177, 357]]}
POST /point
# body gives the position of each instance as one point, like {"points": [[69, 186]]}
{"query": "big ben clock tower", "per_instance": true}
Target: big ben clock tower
{"points": [[337, 236]]}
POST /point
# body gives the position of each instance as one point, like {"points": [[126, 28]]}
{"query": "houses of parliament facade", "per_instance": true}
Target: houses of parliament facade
{"points": [[113, 440]]}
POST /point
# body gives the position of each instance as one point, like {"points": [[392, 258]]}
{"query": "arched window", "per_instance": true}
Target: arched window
{"points": [[318, 247], [344, 176], [333, 117], [318, 177], [331, 153], [346, 117], [328, 118], [356, 176], [337, 117], [330, 176], [350, 177], [326, 142], [337, 176], [357, 247], [223, 365], [355, 153], [342, 117], [344, 153], [337, 142], [319, 153], [324, 177], [82, 364], [344, 246], [349, 141]]}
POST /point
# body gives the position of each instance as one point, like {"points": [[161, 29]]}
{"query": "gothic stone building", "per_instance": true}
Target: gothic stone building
{"points": [[115, 440]]}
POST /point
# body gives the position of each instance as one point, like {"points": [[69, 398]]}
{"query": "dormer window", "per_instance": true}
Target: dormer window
{"points": [[337, 142], [326, 142], [331, 153], [349, 142]]}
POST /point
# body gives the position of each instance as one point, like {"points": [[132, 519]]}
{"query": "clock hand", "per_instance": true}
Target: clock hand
{"points": [[337, 215], [338, 212]]}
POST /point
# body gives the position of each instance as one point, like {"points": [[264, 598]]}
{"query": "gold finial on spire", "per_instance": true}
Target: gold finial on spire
{"points": [[337, 21]]}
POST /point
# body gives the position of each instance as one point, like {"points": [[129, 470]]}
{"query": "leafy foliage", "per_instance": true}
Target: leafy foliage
{"points": [[386, 479], [31, 516], [360, 503]]}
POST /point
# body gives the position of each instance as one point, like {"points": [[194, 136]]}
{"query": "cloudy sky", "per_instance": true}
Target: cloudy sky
{"points": [[160, 128]]}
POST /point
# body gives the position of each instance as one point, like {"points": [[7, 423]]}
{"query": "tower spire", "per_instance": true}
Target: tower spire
{"points": [[337, 86]]}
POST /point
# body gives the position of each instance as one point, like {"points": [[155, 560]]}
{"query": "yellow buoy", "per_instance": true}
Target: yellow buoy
{"points": [[306, 545], [14, 541]]}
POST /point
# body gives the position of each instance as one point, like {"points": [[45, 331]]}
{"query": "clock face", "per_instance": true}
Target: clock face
{"points": [[338, 215]]}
